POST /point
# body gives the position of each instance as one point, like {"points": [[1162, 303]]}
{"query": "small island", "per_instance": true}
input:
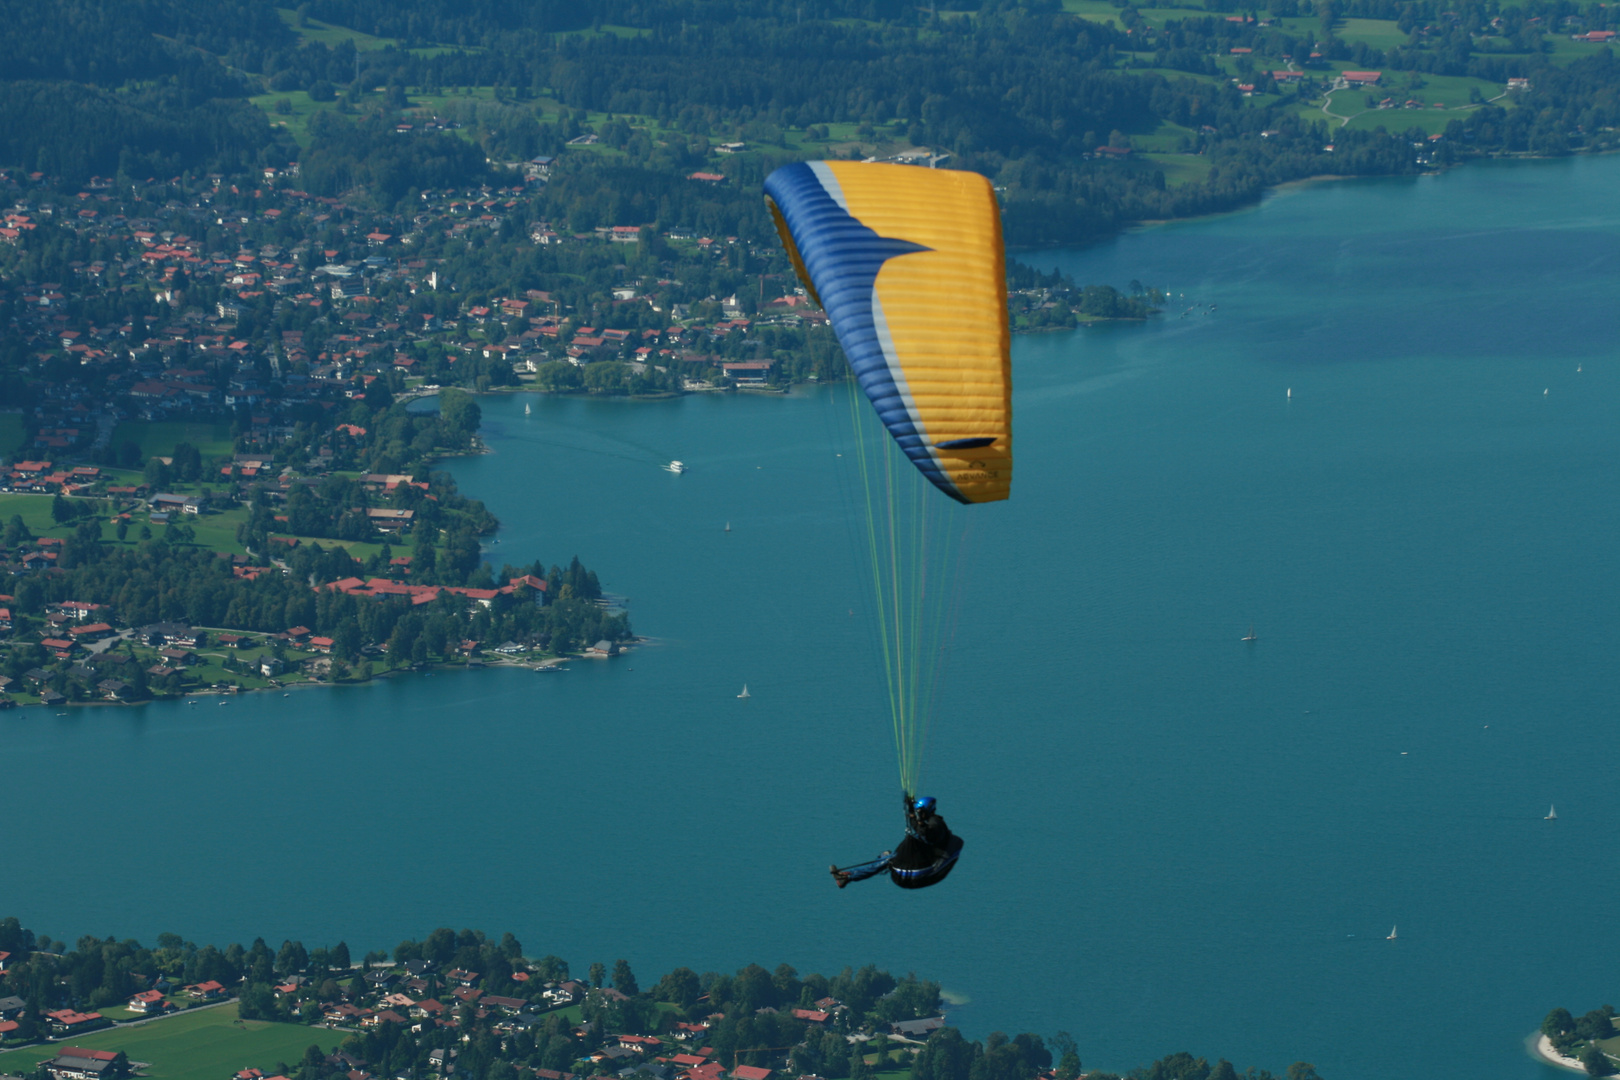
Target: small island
{"points": [[466, 1006]]}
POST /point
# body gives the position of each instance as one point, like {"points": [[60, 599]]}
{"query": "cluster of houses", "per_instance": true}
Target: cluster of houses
{"points": [[191, 360], [416, 996]]}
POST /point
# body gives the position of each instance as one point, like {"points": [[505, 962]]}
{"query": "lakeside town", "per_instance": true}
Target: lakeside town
{"points": [[465, 1006]]}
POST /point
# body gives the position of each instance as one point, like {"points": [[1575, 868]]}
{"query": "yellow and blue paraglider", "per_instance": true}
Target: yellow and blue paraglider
{"points": [[908, 264]]}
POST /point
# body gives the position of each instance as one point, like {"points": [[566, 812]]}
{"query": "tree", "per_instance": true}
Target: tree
{"points": [[61, 509], [680, 987], [1593, 1058], [946, 1056], [1595, 1025], [186, 462], [598, 973], [292, 958], [624, 981], [257, 1002], [459, 413], [1069, 1056], [552, 968], [17, 531]]}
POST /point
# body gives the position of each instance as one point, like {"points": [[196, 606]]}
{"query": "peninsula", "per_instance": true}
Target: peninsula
{"points": [[267, 563], [1589, 1043]]}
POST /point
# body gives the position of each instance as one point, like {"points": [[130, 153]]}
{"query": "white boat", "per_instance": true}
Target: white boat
{"points": [[1391, 934], [1251, 635], [675, 467], [745, 692], [728, 526], [525, 408], [1552, 814]]}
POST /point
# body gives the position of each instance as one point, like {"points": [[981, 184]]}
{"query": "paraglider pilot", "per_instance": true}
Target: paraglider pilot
{"points": [[926, 854]]}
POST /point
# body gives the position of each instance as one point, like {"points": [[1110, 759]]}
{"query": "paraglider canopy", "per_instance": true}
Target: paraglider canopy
{"points": [[908, 264]]}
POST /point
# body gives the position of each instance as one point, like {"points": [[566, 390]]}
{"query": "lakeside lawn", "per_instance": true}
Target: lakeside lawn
{"points": [[202, 1044]]}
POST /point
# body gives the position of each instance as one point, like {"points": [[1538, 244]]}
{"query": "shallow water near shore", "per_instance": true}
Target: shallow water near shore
{"points": [[1175, 839]]}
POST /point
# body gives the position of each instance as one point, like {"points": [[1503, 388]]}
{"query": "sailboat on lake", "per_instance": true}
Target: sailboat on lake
{"points": [[745, 692], [1251, 635], [1391, 934], [1552, 814]]}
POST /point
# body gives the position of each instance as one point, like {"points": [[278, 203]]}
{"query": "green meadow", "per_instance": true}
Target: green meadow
{"points": [[202, 1044], [12, 431], [330, 35], [160, 437]]}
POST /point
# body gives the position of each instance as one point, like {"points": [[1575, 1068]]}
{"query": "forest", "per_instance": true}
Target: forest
{"points": [[1019, 91]]}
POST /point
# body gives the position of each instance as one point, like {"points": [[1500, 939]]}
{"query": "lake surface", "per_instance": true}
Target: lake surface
{"points": [[1175, 840]]}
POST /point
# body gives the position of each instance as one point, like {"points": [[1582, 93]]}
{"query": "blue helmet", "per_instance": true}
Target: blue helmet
{"points": [[925, 805]]}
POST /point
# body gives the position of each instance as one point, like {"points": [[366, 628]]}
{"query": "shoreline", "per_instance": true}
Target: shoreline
{"points": [[1148, 223], [1543, 1050], [549, 664]]}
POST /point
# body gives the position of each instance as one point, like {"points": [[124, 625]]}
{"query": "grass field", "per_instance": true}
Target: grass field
{"points": [[330, 35], [1444, 98], [1180, 168], [1172, 74], [159, 437], [609, 30], [203, 1044], [1100, 11], [1376, 33], [1164, 139], [1103, 11], [11, 432], [35, 510], [1564, 50]]}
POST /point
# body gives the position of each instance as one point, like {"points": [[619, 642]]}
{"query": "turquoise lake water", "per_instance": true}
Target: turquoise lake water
{"points": [[1175, 840]]}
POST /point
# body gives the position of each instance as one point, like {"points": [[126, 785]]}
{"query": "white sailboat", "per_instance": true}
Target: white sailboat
{"points": [[1251, 635], [745, 692], [1391, 934], [526, 409], [728, 526], [1552, 814], [675, 467]]}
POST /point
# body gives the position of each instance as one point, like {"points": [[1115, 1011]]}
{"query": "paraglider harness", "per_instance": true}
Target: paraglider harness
{"points": [[945, 855]]}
